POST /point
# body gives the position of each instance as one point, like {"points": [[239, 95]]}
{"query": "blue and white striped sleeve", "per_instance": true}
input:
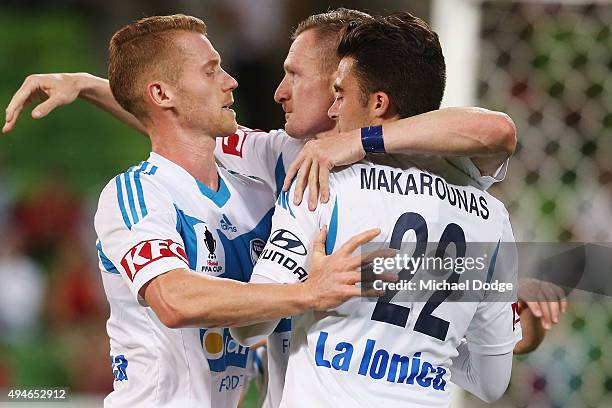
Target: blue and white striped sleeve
{"points": [[136, 226]]}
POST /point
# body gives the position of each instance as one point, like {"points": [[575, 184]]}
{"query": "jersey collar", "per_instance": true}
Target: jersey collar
{"points": [[219, 198]]}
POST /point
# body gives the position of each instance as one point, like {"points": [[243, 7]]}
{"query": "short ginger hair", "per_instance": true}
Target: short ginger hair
{"points": [[146, 50]]}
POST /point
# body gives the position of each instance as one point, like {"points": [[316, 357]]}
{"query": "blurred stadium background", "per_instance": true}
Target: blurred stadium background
{"points": [[546, 63]]}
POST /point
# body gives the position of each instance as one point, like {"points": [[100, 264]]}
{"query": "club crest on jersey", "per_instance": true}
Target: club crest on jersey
{"points": [[221, 350], [256, 245]]}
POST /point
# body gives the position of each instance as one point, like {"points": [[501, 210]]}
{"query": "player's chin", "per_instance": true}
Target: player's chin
{"points": [[230, 126], [295, 131]]}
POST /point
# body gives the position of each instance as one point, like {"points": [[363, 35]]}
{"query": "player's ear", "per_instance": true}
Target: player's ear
{"points": [[380, 105], [160, 94]]}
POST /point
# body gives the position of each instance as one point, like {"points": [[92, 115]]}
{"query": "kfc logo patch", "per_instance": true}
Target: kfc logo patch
{"points": [[150, 251]]}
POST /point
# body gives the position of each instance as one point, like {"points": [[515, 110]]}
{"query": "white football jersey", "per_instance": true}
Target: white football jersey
{"points": [[366, 353], [265, 155], [151, 219]]}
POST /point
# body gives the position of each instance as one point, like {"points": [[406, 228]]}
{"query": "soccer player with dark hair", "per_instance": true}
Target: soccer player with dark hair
{"points": [[395, 353]]}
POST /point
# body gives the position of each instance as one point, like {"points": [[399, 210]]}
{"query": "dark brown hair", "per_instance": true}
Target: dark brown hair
{"points": [[400, 55], [143, 49]]}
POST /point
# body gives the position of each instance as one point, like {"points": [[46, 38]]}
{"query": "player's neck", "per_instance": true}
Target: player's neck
{"points": [[333, 132], [194, 153]]}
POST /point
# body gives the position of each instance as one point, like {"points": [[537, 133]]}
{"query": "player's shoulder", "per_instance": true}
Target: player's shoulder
{"points": [[235, 143], [462, 171], [132, 191], [263, 133], [497, 207], [357, 171], [142, 175]]}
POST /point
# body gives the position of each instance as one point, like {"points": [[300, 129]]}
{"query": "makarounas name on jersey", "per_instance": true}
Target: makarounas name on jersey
{"points": [[404, 183], [379, 364]]}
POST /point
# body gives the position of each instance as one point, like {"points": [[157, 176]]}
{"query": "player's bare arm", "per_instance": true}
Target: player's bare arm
{"points": [[541, 304], [55, 90], [533, 333], [487, 137], [182, 298]]}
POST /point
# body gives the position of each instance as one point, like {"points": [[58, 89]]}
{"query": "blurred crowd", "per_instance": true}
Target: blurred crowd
{"points": [[52, 307]]}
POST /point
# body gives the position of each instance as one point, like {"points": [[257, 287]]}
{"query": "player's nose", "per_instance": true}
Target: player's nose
{"points": [[230, 82], [282, 92], [333, 111]]}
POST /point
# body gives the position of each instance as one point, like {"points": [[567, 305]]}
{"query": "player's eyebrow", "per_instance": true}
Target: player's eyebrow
{"points": [[288, 67], [211, 63]]}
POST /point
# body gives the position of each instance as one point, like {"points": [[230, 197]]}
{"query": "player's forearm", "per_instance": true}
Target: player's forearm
{"points": [[97, 91], [188, 299], [532, 333], [485, 376], [469, 132]]}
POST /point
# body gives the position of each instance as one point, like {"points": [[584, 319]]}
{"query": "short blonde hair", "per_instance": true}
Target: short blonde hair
{"points": [[328, 27], [142, 49]]}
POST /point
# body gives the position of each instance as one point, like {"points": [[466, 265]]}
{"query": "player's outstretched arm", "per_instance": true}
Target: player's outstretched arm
{"points": [[55, 90], [182, 298], [485, 376], [487, 137]]}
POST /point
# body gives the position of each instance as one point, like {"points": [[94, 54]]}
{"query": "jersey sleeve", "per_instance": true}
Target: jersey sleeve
{"points": [[495, 327], [265, 155], [285, 256], [467, 166], [136, 227]]}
